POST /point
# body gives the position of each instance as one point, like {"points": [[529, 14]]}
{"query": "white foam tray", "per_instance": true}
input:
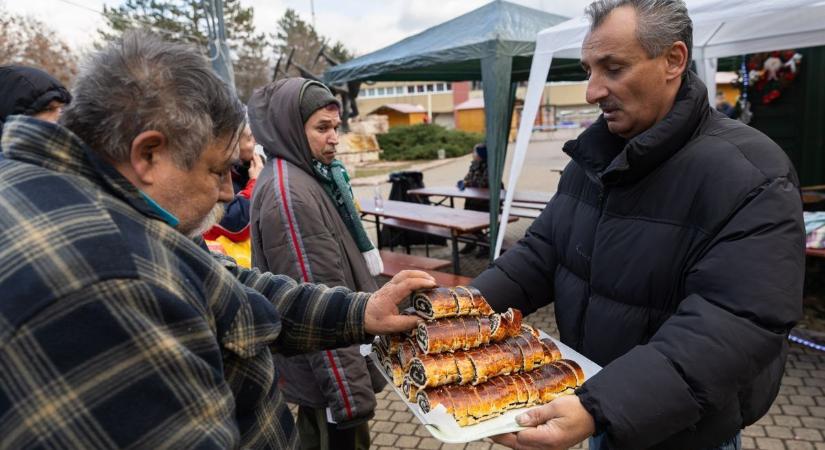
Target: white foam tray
{"points": [[444, 427]]}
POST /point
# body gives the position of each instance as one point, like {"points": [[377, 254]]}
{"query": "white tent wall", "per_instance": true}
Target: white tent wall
{"points": [[538, 71], [706, 69], [721, 28]]}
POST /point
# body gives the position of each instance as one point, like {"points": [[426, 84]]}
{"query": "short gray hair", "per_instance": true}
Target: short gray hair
{"points": [[660, 23], [141, 83]]}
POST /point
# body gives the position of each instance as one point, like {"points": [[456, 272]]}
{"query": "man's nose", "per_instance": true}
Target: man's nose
{"points": [[226, 194], [596, 90], [333, 139]]}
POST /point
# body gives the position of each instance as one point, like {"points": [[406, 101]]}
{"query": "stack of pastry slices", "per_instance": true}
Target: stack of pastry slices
{"points": [[474, 362]]}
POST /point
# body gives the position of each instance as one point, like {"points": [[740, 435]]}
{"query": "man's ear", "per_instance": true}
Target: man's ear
{"points": [[677, 60], [147, 148]]}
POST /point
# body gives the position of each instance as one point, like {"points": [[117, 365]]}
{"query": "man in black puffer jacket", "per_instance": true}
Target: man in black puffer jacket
{"points": [[673, 250]]}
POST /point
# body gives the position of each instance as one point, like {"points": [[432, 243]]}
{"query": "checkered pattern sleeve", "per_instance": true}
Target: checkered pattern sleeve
{"points": [[313, 317], [118, 364]]}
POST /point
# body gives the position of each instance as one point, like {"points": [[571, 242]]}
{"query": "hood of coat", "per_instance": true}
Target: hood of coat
{"points": [[617, 161], [275, 119], [26, 90]]}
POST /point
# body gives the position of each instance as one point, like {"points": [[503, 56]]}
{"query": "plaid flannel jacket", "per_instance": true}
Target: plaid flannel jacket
{"points": [[116, 331]]}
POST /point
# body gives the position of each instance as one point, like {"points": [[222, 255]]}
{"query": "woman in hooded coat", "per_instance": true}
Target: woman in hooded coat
{"points": [[304, 225]]}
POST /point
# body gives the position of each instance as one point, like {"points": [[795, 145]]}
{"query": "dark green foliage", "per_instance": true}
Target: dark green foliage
{"points": [[423, 141]]}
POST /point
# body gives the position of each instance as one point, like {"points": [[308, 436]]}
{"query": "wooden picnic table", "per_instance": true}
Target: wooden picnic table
{"points": [[811, 196], [457, 221], [451, 192]]}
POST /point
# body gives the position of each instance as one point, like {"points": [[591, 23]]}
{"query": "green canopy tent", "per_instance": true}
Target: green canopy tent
{"points": [[493, 44]]}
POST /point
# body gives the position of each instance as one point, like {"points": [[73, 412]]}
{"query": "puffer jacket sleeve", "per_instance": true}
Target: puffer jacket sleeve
{"points": [[744, 293], [523, 276], [289, 236]]}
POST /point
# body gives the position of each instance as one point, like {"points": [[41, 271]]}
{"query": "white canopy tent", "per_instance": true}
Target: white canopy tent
{"points": [[721, 28]]}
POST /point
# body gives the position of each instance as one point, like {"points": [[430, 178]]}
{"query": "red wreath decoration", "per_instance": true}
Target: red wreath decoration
{"points": [[771, 73]]}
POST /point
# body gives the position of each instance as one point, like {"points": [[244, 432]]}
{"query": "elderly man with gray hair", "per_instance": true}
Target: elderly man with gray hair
{"points": [[673, 251], [118, 330]]}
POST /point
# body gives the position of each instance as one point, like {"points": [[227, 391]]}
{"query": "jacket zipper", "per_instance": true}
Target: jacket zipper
{"points": [[602, 200]]}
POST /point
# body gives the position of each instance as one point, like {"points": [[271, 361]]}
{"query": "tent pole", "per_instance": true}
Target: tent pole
{"points": [[496, 71], [706, 69], [538, 76]]}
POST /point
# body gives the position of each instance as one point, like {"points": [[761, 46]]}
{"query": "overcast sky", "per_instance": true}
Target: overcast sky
{"points": [[362, 25]]}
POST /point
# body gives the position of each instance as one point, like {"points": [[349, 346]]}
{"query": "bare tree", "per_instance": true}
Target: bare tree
{"points": [[299, 39], [30, 42]]}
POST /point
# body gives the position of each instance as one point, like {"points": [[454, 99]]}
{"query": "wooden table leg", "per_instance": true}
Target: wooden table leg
{"points": [[454, 239], [378, 233]]}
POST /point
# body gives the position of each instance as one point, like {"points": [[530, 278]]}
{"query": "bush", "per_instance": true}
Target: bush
{"points": [[422, 141]]}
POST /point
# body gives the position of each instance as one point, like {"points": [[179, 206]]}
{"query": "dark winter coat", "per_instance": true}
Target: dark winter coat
{"points": [[297, 231], [676, 261], [26, 90], [120, 332]]}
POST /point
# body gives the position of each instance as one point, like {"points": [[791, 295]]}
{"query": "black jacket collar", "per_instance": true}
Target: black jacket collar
{"points": [[614, 160]]}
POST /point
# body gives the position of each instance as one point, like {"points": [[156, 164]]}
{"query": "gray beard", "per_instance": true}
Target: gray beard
{"points": [[213, 218]]}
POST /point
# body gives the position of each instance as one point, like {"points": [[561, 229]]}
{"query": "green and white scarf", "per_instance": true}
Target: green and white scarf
{"points": [[335, 181]]}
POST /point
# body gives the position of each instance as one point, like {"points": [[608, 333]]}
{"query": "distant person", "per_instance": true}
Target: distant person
{"points": [[31, 92], [476, 178], [723, 106], [231, 236], [305, 225]]}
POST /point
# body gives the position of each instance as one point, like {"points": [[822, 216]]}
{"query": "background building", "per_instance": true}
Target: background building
{"points": [[460, 105], [436, 98], [402, 114]]}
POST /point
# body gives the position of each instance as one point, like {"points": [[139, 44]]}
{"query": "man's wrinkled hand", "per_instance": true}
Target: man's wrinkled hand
{"points": [[559, 424], [381, 315]]}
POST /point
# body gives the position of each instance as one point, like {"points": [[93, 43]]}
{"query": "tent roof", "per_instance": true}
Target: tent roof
{"points": [[452, 50], [720, 28], [405, 108]]}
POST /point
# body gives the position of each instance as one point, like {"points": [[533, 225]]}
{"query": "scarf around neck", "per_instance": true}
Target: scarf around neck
{"points": [[335, 181]]}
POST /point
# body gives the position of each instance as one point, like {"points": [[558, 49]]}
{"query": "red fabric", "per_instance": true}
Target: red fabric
{"points": [[293, 234], [340, 383], [217, 231], [247, 191]]}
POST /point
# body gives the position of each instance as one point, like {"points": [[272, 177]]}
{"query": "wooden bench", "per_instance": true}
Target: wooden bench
{"points": [[528, 213], [449, 279], [433, 230], [815, 252], [441, 278], [420, 227], [395, 262]]}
